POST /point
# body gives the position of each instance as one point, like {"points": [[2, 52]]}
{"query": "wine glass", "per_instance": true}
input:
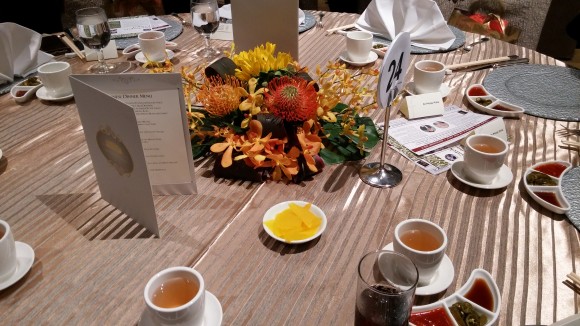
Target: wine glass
{"points": [[94, 32], [205, 19]]}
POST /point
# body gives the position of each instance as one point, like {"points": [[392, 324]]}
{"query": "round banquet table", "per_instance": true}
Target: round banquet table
{"points": [[92, 261]]}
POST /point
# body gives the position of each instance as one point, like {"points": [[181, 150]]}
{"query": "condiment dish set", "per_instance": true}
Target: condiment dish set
{"points": [[482, 100], [543, 183]]}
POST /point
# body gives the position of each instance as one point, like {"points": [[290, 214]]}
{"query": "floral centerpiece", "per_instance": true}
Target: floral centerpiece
{"points": [[264, 117]]}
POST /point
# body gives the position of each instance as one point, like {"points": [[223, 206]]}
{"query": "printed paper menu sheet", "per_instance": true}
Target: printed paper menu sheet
{"points": [[162, 141]]}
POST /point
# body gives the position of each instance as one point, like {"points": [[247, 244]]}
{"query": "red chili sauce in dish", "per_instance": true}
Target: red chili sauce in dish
{"points": [[20, 93], [435, 317], [550, 197], [554, 169], [480, 293], [477, 91], [500, 107]]}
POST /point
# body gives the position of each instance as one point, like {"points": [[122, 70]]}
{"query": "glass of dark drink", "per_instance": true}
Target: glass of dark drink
{"points": [[205, 19], [385, 289]]}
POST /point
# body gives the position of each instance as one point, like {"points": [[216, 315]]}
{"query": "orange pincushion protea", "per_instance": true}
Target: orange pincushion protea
{"points": [[220, 97], [292, 99]]}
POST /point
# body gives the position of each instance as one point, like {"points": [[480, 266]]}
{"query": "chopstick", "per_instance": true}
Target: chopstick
{"points": [[478, 62], [66, 40], [339, 28], [575, 278], [575, 144]]}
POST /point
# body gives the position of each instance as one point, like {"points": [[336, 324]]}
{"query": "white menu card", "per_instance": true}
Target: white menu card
{"points": [[138, 138]]}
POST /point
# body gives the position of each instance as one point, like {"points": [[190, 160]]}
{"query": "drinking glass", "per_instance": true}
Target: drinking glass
{"points": [[94, 31], [205, 19], [385, 289]]}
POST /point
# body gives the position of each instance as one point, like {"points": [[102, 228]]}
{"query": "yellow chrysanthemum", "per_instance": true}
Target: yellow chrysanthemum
{"points": [[260, 59]]}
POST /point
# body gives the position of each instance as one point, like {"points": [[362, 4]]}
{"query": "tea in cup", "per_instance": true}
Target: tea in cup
{"points": [[55, 78], [7, 252], [152, 45], [176, 295], [484, 156], [428, 76], [359, 45], [424, 242]]}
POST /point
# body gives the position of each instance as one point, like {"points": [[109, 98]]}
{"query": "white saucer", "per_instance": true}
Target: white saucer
{"points": [[0, 153], [212, 316], [372, 58], [41, 94], [444, 89], [141, 57], [503, 179], [442, 279], [24, 259]]}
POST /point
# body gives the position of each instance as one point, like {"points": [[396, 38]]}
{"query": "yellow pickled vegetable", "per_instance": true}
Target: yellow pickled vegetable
{"points": [[294, 223]]}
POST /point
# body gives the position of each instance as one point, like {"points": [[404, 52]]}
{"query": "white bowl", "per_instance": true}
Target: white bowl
{"points": [[556, 190], [274, 210], [459, 296], [509, 110]]}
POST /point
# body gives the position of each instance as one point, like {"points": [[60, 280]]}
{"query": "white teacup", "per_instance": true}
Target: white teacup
{"points": [[152, 45], [428, 76], [176, 296], [7, 252], [483, 158], [424, 242], [55, 78], [359, 45]]}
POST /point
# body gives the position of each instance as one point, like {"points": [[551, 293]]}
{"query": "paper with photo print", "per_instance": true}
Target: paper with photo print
{"points": [[422, 136]]}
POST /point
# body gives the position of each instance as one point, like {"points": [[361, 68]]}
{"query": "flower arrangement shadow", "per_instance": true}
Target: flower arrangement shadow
{"points": [[266, 118]]}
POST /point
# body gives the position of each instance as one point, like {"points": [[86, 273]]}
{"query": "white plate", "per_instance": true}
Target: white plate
{"points": [[372, 58], [212, 315], [514, 110], [459, 296], [503, 178], [141, 57], [444, 89], [226, 12], [274, 210], [24, 259], [556, 190], [41, 94], [441, 280]]}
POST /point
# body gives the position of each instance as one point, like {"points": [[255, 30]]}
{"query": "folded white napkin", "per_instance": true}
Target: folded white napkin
{"points": [[20, 53], [421, 18]]}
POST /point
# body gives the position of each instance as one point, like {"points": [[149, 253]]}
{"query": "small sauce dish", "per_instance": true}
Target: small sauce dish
{"points": [[480, 291], [543, 183], [25, 90], [482, 100], [132, 50]]}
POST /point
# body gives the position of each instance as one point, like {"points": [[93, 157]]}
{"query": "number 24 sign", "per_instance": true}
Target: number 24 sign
{"points": [[393, 69]]}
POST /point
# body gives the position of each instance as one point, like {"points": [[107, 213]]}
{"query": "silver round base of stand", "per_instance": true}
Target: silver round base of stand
{"points": [[386, 176]]}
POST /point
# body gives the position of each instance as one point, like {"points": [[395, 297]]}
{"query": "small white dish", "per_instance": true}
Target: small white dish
{"points": [[542, 193], [130, 51], [503, 178], [212, 315], [274, 210], [141, 57], [442, 279], [23, 91], [380, 49], [43, 95], [482, 100], [444, 89], [372, 58], [24, 259], [462, 295], [0, 153]]}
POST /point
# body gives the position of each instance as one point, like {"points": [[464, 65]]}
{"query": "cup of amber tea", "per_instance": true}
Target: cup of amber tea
{"points": [[385, 289], [176, 296]]}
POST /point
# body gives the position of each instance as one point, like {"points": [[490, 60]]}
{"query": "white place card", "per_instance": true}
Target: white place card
{"points": [[138, 138], [109, 52], [256, 22], [423, 105]]}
